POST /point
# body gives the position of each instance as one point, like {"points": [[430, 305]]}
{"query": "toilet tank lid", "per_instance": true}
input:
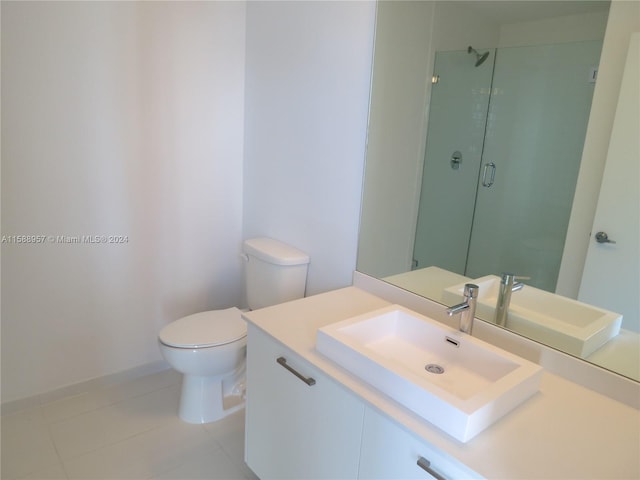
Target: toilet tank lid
{"points": [[274, 251]]}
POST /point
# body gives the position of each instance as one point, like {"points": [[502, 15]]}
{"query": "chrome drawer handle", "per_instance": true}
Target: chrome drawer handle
{"points": [[425, 464], [308, 380]]}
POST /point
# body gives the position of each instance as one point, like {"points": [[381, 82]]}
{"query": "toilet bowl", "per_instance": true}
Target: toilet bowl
{"points": [[209, 349]]}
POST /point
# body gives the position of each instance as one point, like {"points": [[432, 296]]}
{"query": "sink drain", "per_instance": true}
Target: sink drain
{"points": [[434, 368]]}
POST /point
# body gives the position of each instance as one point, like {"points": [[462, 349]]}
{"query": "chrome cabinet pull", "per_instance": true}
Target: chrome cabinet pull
{"points": [[484, 174], [308, 380], [425, 464]]}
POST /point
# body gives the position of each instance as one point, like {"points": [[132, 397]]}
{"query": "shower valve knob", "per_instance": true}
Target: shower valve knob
{"points": [[456, 160]]}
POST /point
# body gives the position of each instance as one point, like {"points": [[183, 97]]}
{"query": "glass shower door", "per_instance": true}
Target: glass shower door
{"points": [[535, 133], [457, 116]]}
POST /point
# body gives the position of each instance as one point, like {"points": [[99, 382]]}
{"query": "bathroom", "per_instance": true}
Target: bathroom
{"points": [[184, 128]]}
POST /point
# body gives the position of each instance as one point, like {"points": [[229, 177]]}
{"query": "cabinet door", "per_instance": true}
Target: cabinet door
{"points": [[295, 430], [391, 452]]}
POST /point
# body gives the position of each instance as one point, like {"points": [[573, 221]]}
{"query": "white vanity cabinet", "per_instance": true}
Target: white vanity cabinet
{"points": [[390, 452], [300, 424], [341, 428], [296, 430]]}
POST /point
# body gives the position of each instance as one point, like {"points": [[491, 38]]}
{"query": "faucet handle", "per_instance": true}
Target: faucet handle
{"points": [[471, 290], [508, 278]]}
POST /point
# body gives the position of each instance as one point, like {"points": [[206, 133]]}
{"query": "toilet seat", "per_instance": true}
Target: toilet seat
{"points": [[205, 329]]}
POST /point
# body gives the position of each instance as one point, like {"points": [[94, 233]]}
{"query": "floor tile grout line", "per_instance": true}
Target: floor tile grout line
{"points": [[220, 449], [99, 383], [214, 436], [238, 466], [168, 469], [111, 444], [55, 447], [45, 398], [46, 421], [107, 405], [110, 405], [37, 410], [108, 445]]}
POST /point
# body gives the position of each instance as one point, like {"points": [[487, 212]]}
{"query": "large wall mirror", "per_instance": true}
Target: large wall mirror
{"points": [[489, 129]]}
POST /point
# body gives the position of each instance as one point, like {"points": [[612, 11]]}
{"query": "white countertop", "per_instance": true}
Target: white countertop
{"points": [[564, 431], [428, 282]]}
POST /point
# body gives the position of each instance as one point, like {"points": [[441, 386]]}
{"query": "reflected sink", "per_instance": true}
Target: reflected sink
{"points": [[560, 322], [458, 383]]}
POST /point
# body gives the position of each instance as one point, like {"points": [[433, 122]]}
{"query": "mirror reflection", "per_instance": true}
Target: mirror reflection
{"points": [[481, 152], [503, 149]]}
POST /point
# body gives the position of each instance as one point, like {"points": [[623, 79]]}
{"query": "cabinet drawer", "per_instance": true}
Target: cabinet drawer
{"points": [[391, 452], [299, 423]]}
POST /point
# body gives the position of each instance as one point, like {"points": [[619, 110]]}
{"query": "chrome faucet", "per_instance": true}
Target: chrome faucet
{"points": [[466, 309], [508, 285]]}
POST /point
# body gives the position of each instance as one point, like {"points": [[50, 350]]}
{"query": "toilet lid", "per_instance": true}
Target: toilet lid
{"points": [[205, 329]]}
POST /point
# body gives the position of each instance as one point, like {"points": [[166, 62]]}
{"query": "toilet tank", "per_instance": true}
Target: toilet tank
{"points": [[274, 272]]}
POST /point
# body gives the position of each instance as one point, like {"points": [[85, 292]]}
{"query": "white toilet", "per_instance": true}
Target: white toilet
{"points": [[209, 348]]}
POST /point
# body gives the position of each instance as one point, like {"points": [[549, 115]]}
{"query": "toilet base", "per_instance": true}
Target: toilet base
{"points": [[209, 399]]}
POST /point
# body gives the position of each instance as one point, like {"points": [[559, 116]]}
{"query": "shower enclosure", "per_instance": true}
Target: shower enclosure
{"points": [[504, 144]]}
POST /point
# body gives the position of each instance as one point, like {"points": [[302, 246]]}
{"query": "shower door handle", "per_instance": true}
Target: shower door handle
{"points": [[492, 177]]}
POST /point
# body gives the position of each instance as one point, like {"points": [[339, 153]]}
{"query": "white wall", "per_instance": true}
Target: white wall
{"points": [[396, 120], [624, 19], [129, 118], [307, 95], [618, 211], [456, 27], [117, 119], [567, 28]]}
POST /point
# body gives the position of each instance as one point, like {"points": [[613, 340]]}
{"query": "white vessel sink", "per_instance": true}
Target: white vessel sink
{"points": [[560, 322], [456, 382]]}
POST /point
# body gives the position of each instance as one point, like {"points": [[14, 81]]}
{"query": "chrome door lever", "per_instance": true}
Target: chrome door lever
{"points": [[602, 237]]}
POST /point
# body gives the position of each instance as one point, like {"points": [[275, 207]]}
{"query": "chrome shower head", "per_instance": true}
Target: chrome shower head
{"points": [[480, 57]]}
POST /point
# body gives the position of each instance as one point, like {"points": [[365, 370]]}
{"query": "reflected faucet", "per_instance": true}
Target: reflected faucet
{"points": [[466, 309], [508, 285]]}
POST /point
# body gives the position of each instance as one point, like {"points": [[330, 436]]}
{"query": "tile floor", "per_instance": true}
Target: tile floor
{"points": [[126, 431]]}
